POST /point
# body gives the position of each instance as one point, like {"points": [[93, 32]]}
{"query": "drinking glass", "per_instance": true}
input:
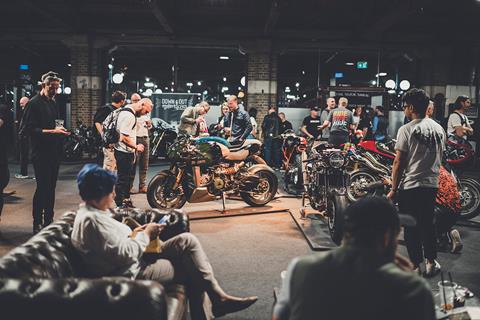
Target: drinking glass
{"points": [[446, 294], [59, 123]]}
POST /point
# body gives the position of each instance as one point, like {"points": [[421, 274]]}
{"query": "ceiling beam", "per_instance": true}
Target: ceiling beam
{"points": [[158, 13], [273, 15], [52, 19]]}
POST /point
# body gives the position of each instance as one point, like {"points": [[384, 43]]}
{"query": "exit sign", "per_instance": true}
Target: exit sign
{"points": [[362, 64]]}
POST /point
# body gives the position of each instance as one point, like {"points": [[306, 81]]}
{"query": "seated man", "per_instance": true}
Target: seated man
{"points": [[363, 279], [107, 248]]}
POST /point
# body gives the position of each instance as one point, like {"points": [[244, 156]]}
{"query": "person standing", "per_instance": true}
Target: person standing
{"points": [[379, 125], [340, 121], [6, 120], [270, 132], [331, 104], [23, 142], [415, 175], [46, 136], [118, 100], [192, 117], [284, 123], [253, 120], [311, 124], [144, 124], [126, 148], [237, 122], [458, 123]]}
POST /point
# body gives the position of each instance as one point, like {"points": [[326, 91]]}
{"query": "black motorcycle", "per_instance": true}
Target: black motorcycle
{"points": [[208, 168], [325, 186], [294, 152], [82, 142], [162, 136]]}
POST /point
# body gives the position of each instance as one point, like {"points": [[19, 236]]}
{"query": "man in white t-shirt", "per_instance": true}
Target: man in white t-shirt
{"points": [[458, 123], [416, 168], [144, 124], [127, 146]]}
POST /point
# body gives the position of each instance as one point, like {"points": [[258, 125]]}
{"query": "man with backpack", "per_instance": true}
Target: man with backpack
{"points": [[458, 123], [121, 130], [118, 100]]}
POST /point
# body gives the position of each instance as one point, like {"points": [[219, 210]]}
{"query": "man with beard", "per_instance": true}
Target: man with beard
{"points": [[363, 279], [46, 139], [415, 174]]}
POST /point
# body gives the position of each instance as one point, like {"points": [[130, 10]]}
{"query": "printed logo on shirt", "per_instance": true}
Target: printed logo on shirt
{"points": [[428, 137], [339, 119]]}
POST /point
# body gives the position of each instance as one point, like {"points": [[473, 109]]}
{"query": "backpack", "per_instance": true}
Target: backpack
{"points": [[110, 134]]}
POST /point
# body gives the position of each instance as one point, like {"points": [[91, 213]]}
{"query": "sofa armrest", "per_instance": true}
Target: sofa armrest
{"points": [[73, 298]]}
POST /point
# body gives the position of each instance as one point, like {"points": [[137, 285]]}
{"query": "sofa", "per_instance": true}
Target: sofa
{"points": [[44, 279]]}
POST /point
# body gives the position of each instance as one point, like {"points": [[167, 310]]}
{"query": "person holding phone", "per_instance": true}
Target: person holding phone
{"points": [[46, 140], [110, 248]]}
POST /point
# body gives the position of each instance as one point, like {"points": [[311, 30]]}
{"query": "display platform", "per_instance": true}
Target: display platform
{"points": [[314, 228], [247, 210]]}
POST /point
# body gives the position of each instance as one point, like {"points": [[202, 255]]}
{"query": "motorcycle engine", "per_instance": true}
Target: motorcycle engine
{"points": [[222, 177]]}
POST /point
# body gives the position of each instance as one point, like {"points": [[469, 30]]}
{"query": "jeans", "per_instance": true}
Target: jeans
{"points": [[46, 174], [24, 148], [142, 159], [4, 178], [125, 166], [421, 240], [272, 152]]}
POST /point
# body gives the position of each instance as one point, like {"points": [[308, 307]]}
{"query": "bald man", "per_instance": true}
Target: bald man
{"points": [[144, 124], [331, 104], [118, 100], [23, 142], [126, 148]]}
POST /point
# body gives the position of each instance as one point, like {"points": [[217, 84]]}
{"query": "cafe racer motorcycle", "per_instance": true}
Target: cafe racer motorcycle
{"points": [[209, 168]]}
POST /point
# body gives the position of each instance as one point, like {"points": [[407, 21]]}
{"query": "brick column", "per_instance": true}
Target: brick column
{"points": [[261, 78], [87, 78]]}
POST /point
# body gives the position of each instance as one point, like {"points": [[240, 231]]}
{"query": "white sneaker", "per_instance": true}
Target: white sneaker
{"points": [[457, 244], [432, 268], [19, 176]]}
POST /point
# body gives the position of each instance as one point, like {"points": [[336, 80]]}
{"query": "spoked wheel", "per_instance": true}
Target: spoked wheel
{"points": [[264, 191], [357, 182], [469, 198], [161, 195], [335, 216], [294, 177]]}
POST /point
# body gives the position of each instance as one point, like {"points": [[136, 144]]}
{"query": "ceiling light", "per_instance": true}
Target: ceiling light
{"points": [[199, 83], [67, 90], [189, 84], [373, 82], [117, 78], [390, 84], [148, 92], [149, 84], [59, 90], [147, 79], [69, 64], [287, 89], [224, 79], [224, 58], [404, 85], [381, 74], [242, 81], [297, 84], [391, 91], [110, 66], [349, 63], [158, 91]]}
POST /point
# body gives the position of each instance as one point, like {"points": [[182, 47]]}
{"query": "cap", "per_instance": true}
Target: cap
{"points": [[375, 214], [315, 108]]}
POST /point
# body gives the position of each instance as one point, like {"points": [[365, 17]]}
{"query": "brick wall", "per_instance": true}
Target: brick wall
{"points": [[86, 61]]}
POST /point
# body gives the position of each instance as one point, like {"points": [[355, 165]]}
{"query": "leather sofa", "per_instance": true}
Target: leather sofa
{"points": [[43, 279]]}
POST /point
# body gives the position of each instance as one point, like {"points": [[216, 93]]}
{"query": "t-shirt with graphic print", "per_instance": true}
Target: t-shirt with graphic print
{"points": [[340, 119], [423, 141]]}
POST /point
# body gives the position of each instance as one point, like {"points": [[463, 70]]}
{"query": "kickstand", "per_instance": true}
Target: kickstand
{"points": [[223, 203]]}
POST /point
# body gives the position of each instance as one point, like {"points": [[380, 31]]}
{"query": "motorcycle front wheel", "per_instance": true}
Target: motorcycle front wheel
{"points": [[337, 204], [469, 190], [264, 191], [357, 181], [160, 192]]}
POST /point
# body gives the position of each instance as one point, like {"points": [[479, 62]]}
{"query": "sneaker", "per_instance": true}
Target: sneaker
{"points": [[457, 244], [20, 176], [432, 268]]}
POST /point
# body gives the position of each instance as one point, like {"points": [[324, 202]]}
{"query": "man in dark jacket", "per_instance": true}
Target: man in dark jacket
{"points": [[237, 122], [46, 142], [270, 132]]}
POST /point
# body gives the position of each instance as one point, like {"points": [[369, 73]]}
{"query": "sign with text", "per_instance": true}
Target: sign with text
{"points": [[169, 106], [362, 64]]}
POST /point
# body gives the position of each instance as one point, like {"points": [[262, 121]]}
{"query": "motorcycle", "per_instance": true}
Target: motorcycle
{"points": [[293, 151], [325, 186], [82, 141], [209, 168], [162, 135]]}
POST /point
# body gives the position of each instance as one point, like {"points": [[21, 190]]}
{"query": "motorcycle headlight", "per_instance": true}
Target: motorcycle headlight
{"points": [[336, 160]]}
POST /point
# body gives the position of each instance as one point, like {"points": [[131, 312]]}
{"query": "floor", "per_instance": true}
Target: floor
{"points": [[247, 252]]}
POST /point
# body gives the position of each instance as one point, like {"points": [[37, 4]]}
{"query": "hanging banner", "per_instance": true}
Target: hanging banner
{"points": [[169, 106]]}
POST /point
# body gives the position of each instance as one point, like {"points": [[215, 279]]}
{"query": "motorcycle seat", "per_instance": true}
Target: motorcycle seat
{"points": [[387, 149], [244, 145], [238, 155]]}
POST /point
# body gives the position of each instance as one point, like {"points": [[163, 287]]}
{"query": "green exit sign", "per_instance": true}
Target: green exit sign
{"points": [[362, 64]]}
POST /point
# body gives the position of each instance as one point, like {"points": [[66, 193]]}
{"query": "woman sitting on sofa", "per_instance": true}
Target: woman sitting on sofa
{"points": [[108, 248]]}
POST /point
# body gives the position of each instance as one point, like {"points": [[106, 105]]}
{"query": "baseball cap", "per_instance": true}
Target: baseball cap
{"points": [[315, 108], [375, 214]]}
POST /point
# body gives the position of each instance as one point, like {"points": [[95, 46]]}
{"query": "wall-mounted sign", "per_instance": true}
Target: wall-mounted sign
{"points": [[169, 106], [87, 82], [362, 64], [338, 75]]}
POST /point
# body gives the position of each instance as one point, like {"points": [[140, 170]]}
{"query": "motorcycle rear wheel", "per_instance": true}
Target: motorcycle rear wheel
{"points": [[356, 181], [160, 194], [469, 190], [264, 191]]}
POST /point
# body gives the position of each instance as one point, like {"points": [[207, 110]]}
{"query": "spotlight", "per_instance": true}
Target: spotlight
{"points": [[224, 58], [67, 90], [404, 85], [242, 81], [117, 78], [110, 66], [158, 91], [390, 84]]}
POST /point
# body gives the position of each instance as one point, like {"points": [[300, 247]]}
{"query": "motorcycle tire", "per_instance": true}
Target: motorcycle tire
{"points": [[469, 198], [155, 192], [266, 177], [337, 204], [364, 177], [292, 186]]}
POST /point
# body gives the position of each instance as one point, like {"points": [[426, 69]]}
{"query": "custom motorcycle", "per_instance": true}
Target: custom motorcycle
{"points": [[162, 136], [325, 186], [82, 141], [293, 150], [209, 168]]}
